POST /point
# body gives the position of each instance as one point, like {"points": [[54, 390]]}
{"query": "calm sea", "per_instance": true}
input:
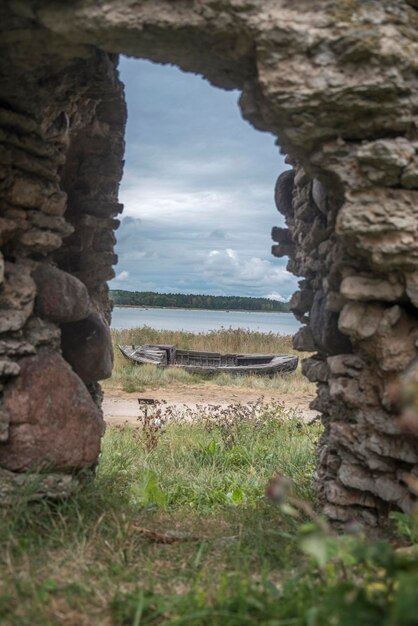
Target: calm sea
{"points": [[203, 320]]}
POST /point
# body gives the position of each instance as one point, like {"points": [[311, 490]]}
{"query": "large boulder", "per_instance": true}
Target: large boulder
{"points": [[53, 422], [60, 296], [324, 327], [319, 196], [87, 346], [303, 340], [283, 192]]}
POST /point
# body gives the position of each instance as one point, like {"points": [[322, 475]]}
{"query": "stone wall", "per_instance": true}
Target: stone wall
{"points": [[337, 84], [360, 321], [61, 151]]}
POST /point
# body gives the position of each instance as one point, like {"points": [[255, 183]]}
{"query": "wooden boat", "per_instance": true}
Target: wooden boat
{"points": [[210, 362]]}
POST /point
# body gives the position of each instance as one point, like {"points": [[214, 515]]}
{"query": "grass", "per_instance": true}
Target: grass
{"points": [[244, 560], [223, 340], [83, 561], [132, 378]]}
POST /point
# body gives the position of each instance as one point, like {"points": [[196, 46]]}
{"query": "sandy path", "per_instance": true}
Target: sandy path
{"points": [[120, 406]]}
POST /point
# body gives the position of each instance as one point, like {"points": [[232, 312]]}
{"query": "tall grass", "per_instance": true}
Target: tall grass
{"points": [[223, 340], [132, 378], [235, 558], [205, 464], [83, 561]]}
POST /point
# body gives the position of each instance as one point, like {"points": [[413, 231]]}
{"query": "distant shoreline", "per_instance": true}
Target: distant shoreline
{"points": [[182, 308]]}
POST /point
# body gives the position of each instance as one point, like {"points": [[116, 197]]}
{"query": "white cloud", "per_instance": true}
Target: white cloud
{"points": [[276, 296], [124, 275], [153, 198], [230, 269], [198, 198]]}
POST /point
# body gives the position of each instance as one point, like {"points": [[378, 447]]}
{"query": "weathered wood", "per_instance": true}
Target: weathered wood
{"points": [[211, 362]]}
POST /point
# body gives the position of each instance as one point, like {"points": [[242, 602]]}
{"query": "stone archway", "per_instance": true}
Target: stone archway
{"points": [[337, 84]]}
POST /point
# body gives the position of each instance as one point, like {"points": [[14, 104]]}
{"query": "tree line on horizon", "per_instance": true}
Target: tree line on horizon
{"points": [[195, 301]]}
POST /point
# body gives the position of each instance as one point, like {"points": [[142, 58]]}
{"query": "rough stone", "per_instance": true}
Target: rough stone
{"points": [[60, 297], [379, 213], [384, 160], [87, 346], [356, 477], [345, 365], [395, 341], [335, 302], [341, 102], [283, 249], [324, 326], [281, 235], [353, 392], [8, 368], [303, 340], [40, 240], [17, 296], [319, 196], [10, 227], [366, 288], [360, 320], [38, 332], [4, 425], [412, 287], [283, 192], [315, 370], [26, 192], [409, 176], [35, 486], [54, 424], [350, 514], [380, 485], [16, 347], [301, 303], [363, 440], [340, 495], [55, 204]]}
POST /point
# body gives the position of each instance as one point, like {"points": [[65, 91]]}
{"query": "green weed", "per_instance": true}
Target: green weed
{"points": [[239, 558], [67, 562]]}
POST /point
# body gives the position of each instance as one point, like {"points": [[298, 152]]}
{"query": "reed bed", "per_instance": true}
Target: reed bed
{"points": [[223, 340]]}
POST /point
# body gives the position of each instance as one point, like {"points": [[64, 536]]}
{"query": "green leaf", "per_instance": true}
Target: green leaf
{"points": [[147, 491], [212, 447], [312, 616], [315, 545], [287, 509], [406, 602]]}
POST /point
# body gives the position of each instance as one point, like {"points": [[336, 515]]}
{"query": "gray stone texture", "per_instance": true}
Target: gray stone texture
{"points": [[336, 82]]}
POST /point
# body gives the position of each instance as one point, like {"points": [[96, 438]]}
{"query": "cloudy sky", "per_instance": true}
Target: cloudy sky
{"points": [[197, 189]]}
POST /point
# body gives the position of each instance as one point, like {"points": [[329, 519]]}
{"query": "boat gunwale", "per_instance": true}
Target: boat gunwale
{"points": [[285, 363]]}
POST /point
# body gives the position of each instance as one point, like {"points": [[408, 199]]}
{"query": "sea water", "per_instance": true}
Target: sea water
{"points": [[202, 320]]}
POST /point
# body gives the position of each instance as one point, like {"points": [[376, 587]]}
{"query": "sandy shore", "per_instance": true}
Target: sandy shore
{"points": [[120, 407]]}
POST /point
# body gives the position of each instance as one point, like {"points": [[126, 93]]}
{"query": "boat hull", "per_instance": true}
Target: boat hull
{"points": [[210, 363]]}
